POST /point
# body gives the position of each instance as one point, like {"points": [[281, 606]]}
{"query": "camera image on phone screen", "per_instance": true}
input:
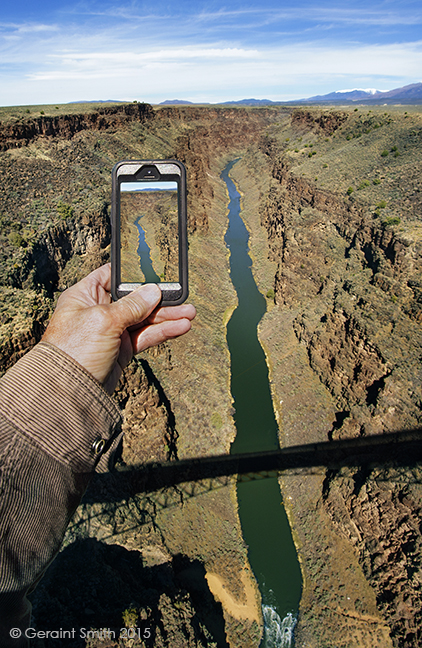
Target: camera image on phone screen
{"points": [[149, 246], [149, 228]]}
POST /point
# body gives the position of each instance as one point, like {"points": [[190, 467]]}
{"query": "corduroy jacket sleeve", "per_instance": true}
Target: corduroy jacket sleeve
{"points": [[56, 422]]}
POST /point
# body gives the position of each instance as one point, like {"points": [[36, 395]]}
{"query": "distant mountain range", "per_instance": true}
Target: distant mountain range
{"points": [[176, 102], [407, 94], [410, 94]]}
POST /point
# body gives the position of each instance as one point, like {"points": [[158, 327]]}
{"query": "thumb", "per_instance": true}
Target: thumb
{"points": [[135, 307]]}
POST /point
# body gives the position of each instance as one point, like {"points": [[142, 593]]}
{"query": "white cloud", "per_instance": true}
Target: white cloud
{"points": [[27, 28], [315, 12], [156, 57], [222, 65], [363, 16], [163, 54]]}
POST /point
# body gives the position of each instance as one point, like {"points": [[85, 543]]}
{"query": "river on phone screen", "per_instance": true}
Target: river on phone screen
{"points": [[265, 526], [144, 254]]}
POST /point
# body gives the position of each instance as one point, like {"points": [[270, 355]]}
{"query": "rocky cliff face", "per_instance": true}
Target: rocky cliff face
{"points": [[55, 227], [224, 130], [358, 272], [108, 118], [379, 514], [349, 277], [340, 222]]}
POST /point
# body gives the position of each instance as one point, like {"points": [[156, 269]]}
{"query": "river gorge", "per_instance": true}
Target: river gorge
{"points": [[264, 523], [332, 206]]}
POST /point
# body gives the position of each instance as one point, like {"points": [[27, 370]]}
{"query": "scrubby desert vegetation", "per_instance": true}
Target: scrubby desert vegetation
{"points": [[332, 199]]}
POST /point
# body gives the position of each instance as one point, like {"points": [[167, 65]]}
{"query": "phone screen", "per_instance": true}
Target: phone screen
{"points": [[149, 232], [149, 228]]}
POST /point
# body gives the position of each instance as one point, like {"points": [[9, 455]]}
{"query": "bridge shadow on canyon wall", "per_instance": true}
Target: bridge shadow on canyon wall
{"points": [[95, 581], [396, 450]]}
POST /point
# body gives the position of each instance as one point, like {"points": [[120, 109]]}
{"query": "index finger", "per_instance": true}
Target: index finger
{"points": [[168, 313], [99, 279]]}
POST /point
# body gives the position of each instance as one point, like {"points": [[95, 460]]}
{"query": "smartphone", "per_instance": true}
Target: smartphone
{"points": [[149, 228]]}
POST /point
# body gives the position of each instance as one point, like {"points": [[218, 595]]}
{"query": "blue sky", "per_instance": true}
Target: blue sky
{"points": [[57, 52]]}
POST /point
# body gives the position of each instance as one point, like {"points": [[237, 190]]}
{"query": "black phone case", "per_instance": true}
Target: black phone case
{"points": [[173, 294]]}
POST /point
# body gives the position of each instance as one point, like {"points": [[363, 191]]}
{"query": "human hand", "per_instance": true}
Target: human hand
{"points": [[103, 336]]}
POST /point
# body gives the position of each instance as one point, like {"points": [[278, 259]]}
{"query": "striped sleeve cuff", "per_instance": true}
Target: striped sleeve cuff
{"points": [[58, 405]]}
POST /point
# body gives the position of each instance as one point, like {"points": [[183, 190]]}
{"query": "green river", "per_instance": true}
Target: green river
{"points": [[265, 526]]}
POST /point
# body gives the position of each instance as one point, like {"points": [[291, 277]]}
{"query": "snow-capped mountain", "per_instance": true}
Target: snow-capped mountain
{"points": [[407, 94]]}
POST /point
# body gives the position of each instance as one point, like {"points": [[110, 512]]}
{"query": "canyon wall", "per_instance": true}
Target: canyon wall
{"points": [[188, 553], [343, 339], [336, 248]]}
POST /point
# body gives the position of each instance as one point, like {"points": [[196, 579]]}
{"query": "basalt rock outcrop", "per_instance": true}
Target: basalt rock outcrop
{"points": [[335, 255], [113, 117], [351, 280], [336, 207], [326, 122], [55, 228]]}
